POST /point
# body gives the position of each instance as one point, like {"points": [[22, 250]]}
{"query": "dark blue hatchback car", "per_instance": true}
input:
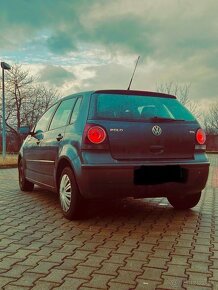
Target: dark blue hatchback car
{"points": [[116, 143]]}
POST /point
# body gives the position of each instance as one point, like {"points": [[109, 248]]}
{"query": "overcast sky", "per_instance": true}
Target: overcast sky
{"points": [[78, 45]]}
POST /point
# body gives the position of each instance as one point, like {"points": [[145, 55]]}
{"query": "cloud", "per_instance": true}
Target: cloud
{"points": [[55, 75], [162, 29], [177, 40]]}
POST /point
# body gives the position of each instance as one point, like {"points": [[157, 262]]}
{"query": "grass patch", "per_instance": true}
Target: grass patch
{"points": [[9, 161]]}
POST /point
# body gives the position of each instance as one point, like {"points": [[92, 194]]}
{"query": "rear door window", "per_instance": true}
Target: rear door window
{"points": [[61, 116], [137, 108]]}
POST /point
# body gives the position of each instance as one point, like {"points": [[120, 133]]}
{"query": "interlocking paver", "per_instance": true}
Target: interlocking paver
{"points": [[81, 255], [215, 275], [133, 265], [214, 264], [129, 244], [15, 272], [151, 274], [202, 257], [179, 260], [83, 272], [146, 285], [7, 263], [70, 283], [43, 267], [56, 257], [99, 281], [44, 285], [139, 255], [14, 287], [176, 271], [170, 282], [200, 267], [120, 286], [126, 277], [68, 264], [93, 261], [56, 276], [108, 269], [195, 287], [198, 279], [125, 249], [180, 251], [26, 280], [117, 259], [159, 263]]}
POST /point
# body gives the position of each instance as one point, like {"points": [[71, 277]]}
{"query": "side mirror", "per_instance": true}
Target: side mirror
{"points": [[24, 130], [38, 135]]}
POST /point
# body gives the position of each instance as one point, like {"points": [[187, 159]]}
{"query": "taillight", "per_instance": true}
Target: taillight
{"points": [[96, 134], [94, 137], [200, 136]]}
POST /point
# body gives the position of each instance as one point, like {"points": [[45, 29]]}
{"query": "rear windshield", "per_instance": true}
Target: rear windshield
{"points": [[137, 108]]}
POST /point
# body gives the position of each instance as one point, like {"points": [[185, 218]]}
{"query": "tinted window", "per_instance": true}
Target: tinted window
{"points": [[45, 119], [132, 107], [62, 114], [75, 111]]}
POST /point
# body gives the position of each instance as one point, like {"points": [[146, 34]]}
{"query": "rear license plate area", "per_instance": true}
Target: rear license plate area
{"points": [[148, 175]]}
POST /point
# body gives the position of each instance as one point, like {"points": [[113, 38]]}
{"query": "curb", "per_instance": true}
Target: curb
{"points": [[8, 166]]}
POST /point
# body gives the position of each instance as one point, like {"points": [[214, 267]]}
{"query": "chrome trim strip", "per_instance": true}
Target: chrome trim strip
{"points": [[37, 182], [42, 161]]}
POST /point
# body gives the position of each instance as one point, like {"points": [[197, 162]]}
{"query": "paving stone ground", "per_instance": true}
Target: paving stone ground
{"points": [[122, 245]]}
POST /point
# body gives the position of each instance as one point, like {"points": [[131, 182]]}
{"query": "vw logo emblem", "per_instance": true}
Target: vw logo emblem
{"points": [[156, 130]]}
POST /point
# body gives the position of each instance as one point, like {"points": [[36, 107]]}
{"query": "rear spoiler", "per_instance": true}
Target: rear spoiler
{"points": [[133, 92]]}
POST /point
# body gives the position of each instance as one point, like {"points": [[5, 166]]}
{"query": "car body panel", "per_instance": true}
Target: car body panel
{"points": [[135, 140], [118, 181]]}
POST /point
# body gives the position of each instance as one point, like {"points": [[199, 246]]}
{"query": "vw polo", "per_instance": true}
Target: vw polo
{"points": [[116, 143]]}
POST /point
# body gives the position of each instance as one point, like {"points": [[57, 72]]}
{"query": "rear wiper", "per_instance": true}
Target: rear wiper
{"points": [[162, 119]]}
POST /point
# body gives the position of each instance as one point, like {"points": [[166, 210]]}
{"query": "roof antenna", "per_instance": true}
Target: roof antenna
{"points": [[133, 73]]}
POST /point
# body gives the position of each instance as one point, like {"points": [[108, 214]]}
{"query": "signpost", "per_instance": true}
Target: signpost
{"points": [[4, 67]]}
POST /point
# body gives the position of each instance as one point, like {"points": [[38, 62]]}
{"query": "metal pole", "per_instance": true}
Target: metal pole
{"points": [[3, 117]]}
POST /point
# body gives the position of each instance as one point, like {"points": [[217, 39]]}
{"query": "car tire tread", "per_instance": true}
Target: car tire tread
{"points": [[183, 202]]}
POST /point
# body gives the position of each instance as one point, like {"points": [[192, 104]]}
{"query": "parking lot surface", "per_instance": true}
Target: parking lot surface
{"points": [[129, 244]]}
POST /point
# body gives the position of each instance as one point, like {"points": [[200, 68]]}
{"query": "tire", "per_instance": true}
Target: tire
{"points": [[70, 199], [24, 184], [184, 201]]}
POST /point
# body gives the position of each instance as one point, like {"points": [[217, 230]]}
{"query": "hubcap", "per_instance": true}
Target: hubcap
{"points": [[65, 192]]}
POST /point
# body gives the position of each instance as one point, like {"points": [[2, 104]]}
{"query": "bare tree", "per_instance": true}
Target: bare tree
{"points": [[211, 120], [182, 93], [26, 100]]}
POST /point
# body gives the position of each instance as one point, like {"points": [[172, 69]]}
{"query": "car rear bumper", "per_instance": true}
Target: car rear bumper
{"points": [[118, 180]]}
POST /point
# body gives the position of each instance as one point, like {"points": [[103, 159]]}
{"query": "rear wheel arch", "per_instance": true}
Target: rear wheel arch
{"points": [[63, 163]]}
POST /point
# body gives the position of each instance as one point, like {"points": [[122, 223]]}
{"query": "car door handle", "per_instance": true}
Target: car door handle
{"points": [[59, 137]]}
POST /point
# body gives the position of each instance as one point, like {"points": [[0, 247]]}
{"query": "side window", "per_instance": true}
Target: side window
{"points": [[62, 114], [45, 119], [75, 111]]}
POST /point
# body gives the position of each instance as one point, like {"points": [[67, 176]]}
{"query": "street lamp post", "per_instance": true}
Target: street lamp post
{"points": [[4, 67]]}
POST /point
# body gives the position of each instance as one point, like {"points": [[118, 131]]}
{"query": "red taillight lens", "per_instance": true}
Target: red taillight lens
{"points": [[200, 137], [96, 134]]}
